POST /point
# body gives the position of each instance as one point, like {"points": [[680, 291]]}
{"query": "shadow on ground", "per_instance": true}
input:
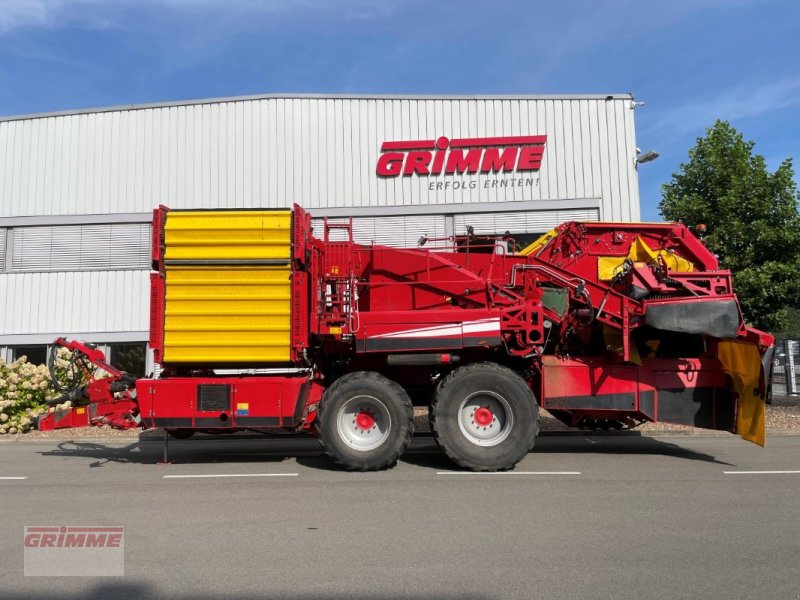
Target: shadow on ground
{"points": [[144, 591], [423, 451]]}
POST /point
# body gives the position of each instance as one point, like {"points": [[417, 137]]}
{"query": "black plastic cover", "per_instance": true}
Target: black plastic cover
{"points": [[717, 318]]}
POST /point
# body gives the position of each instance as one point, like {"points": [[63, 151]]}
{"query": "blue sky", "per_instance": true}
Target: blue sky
{"points": [[689, 61]]}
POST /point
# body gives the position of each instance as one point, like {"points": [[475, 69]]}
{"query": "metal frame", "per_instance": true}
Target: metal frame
{"points": [[397, 210], [226, 99], [77, 219], [33, 339]]}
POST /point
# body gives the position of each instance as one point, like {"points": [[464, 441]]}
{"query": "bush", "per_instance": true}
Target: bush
{"points": [[24, 390]]}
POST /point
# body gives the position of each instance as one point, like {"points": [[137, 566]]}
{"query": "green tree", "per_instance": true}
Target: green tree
{"points": [[752, 220]]}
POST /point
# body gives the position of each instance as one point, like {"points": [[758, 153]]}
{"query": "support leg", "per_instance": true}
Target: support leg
{"points": [[165, 461]]}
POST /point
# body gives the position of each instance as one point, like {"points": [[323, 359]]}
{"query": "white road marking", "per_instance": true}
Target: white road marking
{"points": [[13, 477], [230, 475], [761, 472], [509, 473]]}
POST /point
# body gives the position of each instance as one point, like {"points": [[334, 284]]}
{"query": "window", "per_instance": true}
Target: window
{"points": [[81, 247], [3, 236], [128, 357], [36, 355]]}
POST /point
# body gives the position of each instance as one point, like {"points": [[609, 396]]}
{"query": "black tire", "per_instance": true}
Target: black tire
{"points": [[350, 448], [181, 434], [499, 387]]}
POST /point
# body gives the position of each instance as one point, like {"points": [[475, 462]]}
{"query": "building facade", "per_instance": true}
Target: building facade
{"points": [[77, 189]]}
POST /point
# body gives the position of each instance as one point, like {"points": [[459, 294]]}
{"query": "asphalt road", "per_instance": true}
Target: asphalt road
{"points": [[600, 517]]}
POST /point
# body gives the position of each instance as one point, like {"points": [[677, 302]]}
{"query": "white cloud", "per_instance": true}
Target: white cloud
{"points": [[17, 14], [21, 13], [741, 102]]}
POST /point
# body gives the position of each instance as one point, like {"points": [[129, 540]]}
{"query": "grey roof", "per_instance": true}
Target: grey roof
{"points": [[123, 107]]}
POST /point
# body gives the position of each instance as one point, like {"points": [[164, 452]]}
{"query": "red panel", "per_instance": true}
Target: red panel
{"points": [[172, 402], [262, 397], [156, 315], [573, 378], [64, 419], [300, 320], [301, 234], [159, 219]]}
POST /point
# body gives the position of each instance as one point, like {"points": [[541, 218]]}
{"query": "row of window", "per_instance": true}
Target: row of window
{"points": [[130, 357], [75, 247], [112, 246]]}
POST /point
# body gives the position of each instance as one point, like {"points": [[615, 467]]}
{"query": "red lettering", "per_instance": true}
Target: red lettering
{"points": [[458, 163], [75, 540], [417, 162], [438, 162], [32, 540], [530, 158], [494, 161], [390, 164], [95, 540], [114, 540], [468, 155], [48, 540]]}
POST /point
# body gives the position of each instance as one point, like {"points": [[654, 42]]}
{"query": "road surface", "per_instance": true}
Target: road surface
{"points": [[580, 517]]}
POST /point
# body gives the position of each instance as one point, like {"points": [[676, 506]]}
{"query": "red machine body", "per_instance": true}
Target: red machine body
{"points": [[607, 325]]}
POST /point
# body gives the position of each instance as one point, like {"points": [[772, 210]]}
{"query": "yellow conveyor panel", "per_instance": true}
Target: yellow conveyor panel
{"points": [[228, 286], [228, 235]]}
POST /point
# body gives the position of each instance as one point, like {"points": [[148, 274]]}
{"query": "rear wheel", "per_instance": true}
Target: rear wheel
{"points": [[365, 421], [484, 416]]}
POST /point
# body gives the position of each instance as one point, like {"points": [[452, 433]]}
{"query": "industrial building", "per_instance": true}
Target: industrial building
{"points": [[77, 188]]}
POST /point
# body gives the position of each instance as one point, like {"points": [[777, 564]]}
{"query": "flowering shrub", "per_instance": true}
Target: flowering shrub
{"points": [[24, 390]]}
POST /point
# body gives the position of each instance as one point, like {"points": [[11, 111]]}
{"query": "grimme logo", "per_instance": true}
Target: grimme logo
{"points": [[73, 537], [84, 551], [464, 155]]}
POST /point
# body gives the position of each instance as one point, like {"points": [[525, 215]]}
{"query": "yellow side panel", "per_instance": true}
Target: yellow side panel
{"points": [[224, 314], [640, 252], [228, 235], [539, 243], [608, 266], [743, 361]]}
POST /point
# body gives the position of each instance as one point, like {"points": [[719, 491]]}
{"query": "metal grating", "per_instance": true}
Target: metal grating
{"points": [[212, 397], [520, 222], [81, 247], [401, 231], [3, 235]]}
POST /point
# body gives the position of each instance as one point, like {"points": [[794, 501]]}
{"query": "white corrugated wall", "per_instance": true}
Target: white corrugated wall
{"points": [[319, 152], [77, 302], [272, 152]]}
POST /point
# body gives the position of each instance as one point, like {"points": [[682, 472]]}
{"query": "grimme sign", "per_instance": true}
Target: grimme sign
{"points": [[62, 550], [521, 154]]}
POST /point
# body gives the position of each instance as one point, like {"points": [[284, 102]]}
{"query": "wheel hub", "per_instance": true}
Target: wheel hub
{"points": [[483, 416], [365, 420]]}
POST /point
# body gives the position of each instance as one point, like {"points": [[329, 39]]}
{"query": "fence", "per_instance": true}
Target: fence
{"points": [[786, 370]]}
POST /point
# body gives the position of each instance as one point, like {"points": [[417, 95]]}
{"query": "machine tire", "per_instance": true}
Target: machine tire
{"points": [[487, 388], [356, 406], [181, 434]]}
